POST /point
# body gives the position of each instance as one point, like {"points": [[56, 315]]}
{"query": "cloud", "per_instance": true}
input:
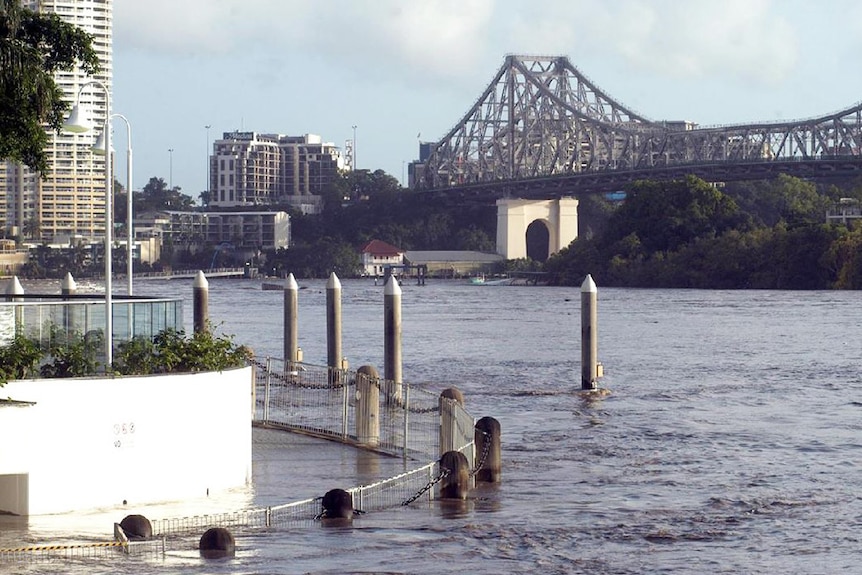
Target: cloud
{"points": [[749, 40], [437, 38]]}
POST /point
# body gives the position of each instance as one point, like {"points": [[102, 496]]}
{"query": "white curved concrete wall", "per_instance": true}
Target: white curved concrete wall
{"points": [[88, 443], [515, 215]]}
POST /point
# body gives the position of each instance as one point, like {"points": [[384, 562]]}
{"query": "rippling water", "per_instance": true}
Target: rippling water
{"points": [[729, 441]]}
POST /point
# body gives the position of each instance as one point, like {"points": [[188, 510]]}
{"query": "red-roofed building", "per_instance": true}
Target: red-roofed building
{"points": [[376, 255]]}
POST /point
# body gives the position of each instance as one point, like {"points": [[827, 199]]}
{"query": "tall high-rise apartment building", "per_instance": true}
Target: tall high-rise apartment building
{"points": [[251, 169], [69, 199]]}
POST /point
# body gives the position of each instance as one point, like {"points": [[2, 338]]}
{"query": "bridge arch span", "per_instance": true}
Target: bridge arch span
{"points": [[514, 217]]}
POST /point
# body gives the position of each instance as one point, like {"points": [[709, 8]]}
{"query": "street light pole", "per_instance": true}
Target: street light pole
{"points": [[77, 124], [171, 169], [100, 150], [355, 165]]}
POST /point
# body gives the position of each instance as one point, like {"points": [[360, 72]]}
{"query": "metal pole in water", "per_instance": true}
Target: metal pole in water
{"points": [[291, 318], [333, 324], [392, 337], [589, 334], [68, 287], [201, 302]]}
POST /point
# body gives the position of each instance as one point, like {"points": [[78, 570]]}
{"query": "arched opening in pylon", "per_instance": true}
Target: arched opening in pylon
{"points": [[538, 241]]}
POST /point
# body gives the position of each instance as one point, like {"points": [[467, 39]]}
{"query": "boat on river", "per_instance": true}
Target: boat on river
{"points": [[483, 281]]}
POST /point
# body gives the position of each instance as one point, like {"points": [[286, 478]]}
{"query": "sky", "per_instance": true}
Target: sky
{"points": [[405, 70]]}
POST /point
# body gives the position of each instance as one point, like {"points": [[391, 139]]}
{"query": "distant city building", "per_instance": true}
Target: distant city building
{"points": [[252, 169], [11, 258], [443, 263], [70, 200], [242, 230]]}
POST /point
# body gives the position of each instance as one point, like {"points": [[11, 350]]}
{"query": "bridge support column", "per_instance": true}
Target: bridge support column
{"points": [[514, 216]]}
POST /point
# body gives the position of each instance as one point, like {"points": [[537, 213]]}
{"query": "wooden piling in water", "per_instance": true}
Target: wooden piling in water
{"points": [[337, 507], [448, 421], [589, 334], [488, 450], [201, 302], [367, 406], [217, 543], [291, 320], [456, 483]]}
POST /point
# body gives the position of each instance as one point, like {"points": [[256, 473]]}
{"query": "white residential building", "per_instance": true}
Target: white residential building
{"points": [[242, 230], [70, 200]]}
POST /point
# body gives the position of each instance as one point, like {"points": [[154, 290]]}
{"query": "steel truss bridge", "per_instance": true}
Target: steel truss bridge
{"points": [[541, 129]]}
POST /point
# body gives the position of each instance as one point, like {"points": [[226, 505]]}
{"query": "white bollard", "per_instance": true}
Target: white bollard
{"points": [[291, 320], [392, 338], [589, 334]]}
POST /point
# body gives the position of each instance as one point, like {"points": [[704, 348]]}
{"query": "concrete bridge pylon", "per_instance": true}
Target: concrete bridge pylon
{"points": [[514, 216]]}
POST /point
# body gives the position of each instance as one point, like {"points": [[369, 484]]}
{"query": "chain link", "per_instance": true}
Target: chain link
{"points": [[486, 448], [295, 380], [443, 473]]}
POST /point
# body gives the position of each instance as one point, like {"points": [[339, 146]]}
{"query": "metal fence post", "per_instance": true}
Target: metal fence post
{"points": [[266, 391], [406, 390], [345, 401]]}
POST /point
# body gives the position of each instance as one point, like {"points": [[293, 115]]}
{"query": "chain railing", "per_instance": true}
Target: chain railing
{"points": [[401, 489]]}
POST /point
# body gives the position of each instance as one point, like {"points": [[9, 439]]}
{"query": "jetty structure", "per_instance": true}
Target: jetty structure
{"points": [[129, 432]]}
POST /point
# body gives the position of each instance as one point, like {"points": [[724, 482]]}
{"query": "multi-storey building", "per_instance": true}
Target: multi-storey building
{"points": [[242, 230], [70, 200], [252, 169]]}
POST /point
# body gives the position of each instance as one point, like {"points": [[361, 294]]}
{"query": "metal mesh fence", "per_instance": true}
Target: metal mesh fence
{"points": [[324, 401]]}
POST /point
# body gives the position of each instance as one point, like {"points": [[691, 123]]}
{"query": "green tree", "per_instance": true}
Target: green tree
{"points": [[783, 198], [844, 258], [155, 196], [667, 215], [32, 48]]}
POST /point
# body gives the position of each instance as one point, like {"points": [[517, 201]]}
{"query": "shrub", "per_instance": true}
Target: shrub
{"points": [[19, 359], [170, 351], [71, 355]]}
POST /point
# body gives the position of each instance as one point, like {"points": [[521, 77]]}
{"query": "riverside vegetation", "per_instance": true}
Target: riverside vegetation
{"points": [[764, 234], [768, 234]]}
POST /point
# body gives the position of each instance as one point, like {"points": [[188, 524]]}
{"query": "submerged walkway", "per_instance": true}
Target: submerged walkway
{"points": [[290, 466]]}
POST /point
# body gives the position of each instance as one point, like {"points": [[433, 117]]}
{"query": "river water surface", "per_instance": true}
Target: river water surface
{"points": [[729, 441]]}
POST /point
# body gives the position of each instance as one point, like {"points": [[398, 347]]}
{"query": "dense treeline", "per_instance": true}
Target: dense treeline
{"points": [[362, 206], [689, 234]]}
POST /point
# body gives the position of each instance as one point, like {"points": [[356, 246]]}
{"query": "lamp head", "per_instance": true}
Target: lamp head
{"points": [[98, 147], [78, 121]]}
